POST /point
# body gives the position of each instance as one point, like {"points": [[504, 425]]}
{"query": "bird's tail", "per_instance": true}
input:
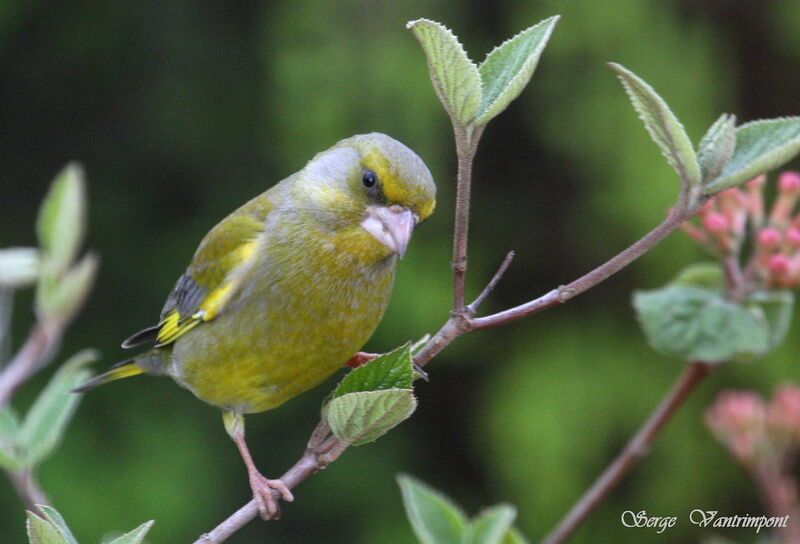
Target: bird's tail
{"points": [[147, 362]]}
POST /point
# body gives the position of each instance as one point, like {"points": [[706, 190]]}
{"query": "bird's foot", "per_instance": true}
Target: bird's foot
{"points": [[262, 492], [359, 359]]}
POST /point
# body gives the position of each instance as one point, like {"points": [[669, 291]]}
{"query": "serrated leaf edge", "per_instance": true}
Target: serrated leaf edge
{"points": [[480, 117]]}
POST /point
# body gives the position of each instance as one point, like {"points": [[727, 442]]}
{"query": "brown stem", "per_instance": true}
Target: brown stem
{"points": [[27, 488], [35, 354], [466, 145], [637, 448]]}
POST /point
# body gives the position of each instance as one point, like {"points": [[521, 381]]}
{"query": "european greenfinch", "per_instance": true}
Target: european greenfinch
{"points": [[289, 287]]}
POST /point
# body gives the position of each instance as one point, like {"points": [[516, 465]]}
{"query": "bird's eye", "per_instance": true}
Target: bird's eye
{"points": [[369, 178]]}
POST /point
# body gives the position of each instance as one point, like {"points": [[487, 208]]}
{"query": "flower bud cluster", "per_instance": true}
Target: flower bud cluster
{"points": [[730, 218], [758, 432]]}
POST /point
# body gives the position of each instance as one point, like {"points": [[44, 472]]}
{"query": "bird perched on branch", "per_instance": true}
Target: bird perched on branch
{"points": [[289, 287]]}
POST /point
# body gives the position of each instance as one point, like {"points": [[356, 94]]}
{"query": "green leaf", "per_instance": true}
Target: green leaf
{"points": [[134, 537], [48, 417], [9, 439], [716, 147], [19, 266], [41, 531], [61, 297], [513, 536], [455, 77], [435, 518], [55, 519], [492, 525], [760, 146], [509, 67], [705, 275], [700, 325], [664, 128], [776, 308], [393, 370], [62, 218], [362, 417]]}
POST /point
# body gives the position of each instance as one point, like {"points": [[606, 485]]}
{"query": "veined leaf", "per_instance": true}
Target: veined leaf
{"points": [[455, 77], [761, 146], [392, 370], [509, 67], [716, 147], [365, 416], [698, 324], [664, 128]]}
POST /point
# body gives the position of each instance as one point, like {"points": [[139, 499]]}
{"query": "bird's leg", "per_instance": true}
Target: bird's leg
{"points": [[262, 487], [359, 359]]}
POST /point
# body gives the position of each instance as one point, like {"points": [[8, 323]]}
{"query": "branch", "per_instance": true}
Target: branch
{"points": [[465, 322], [41, 345], [27, 488], [589, 280], [323, 448], [637, 448]]}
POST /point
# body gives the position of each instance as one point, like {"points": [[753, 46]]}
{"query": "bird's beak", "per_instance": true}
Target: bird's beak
{"points": [[391, 226]]}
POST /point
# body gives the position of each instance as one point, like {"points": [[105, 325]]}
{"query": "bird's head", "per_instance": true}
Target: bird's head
{"points": [[369, 183]]}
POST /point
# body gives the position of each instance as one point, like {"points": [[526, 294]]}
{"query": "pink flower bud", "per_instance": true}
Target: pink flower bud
{"points": [[769, 238], [789, 182], [778, 265], [715, 222], [737, 419], [793, 236], [783, 412]]}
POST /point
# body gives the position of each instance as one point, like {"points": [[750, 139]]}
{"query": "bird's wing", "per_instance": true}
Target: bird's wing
{"points": [[213, 276]]}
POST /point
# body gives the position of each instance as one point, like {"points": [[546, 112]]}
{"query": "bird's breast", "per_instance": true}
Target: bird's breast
{"points": [[301, 312]]}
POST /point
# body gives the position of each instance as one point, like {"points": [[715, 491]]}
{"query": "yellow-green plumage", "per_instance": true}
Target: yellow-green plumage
{"points": [[288, 287]]}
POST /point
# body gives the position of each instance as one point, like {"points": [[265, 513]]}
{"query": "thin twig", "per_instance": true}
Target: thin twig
{"points": [[39, 348], [589, 280], [472, 308], [638, 447]]}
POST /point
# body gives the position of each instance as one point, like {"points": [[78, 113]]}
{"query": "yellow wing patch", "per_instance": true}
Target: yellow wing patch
{"points": [[174, 325]]}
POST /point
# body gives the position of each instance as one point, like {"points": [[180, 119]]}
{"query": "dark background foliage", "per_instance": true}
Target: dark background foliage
{"points": [[181, 111]]}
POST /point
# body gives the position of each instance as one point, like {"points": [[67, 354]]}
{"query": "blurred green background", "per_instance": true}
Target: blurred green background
{"points": [[181, 111]]}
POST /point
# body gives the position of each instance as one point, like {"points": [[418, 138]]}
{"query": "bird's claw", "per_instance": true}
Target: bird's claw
{"points": [[262, 492]]}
